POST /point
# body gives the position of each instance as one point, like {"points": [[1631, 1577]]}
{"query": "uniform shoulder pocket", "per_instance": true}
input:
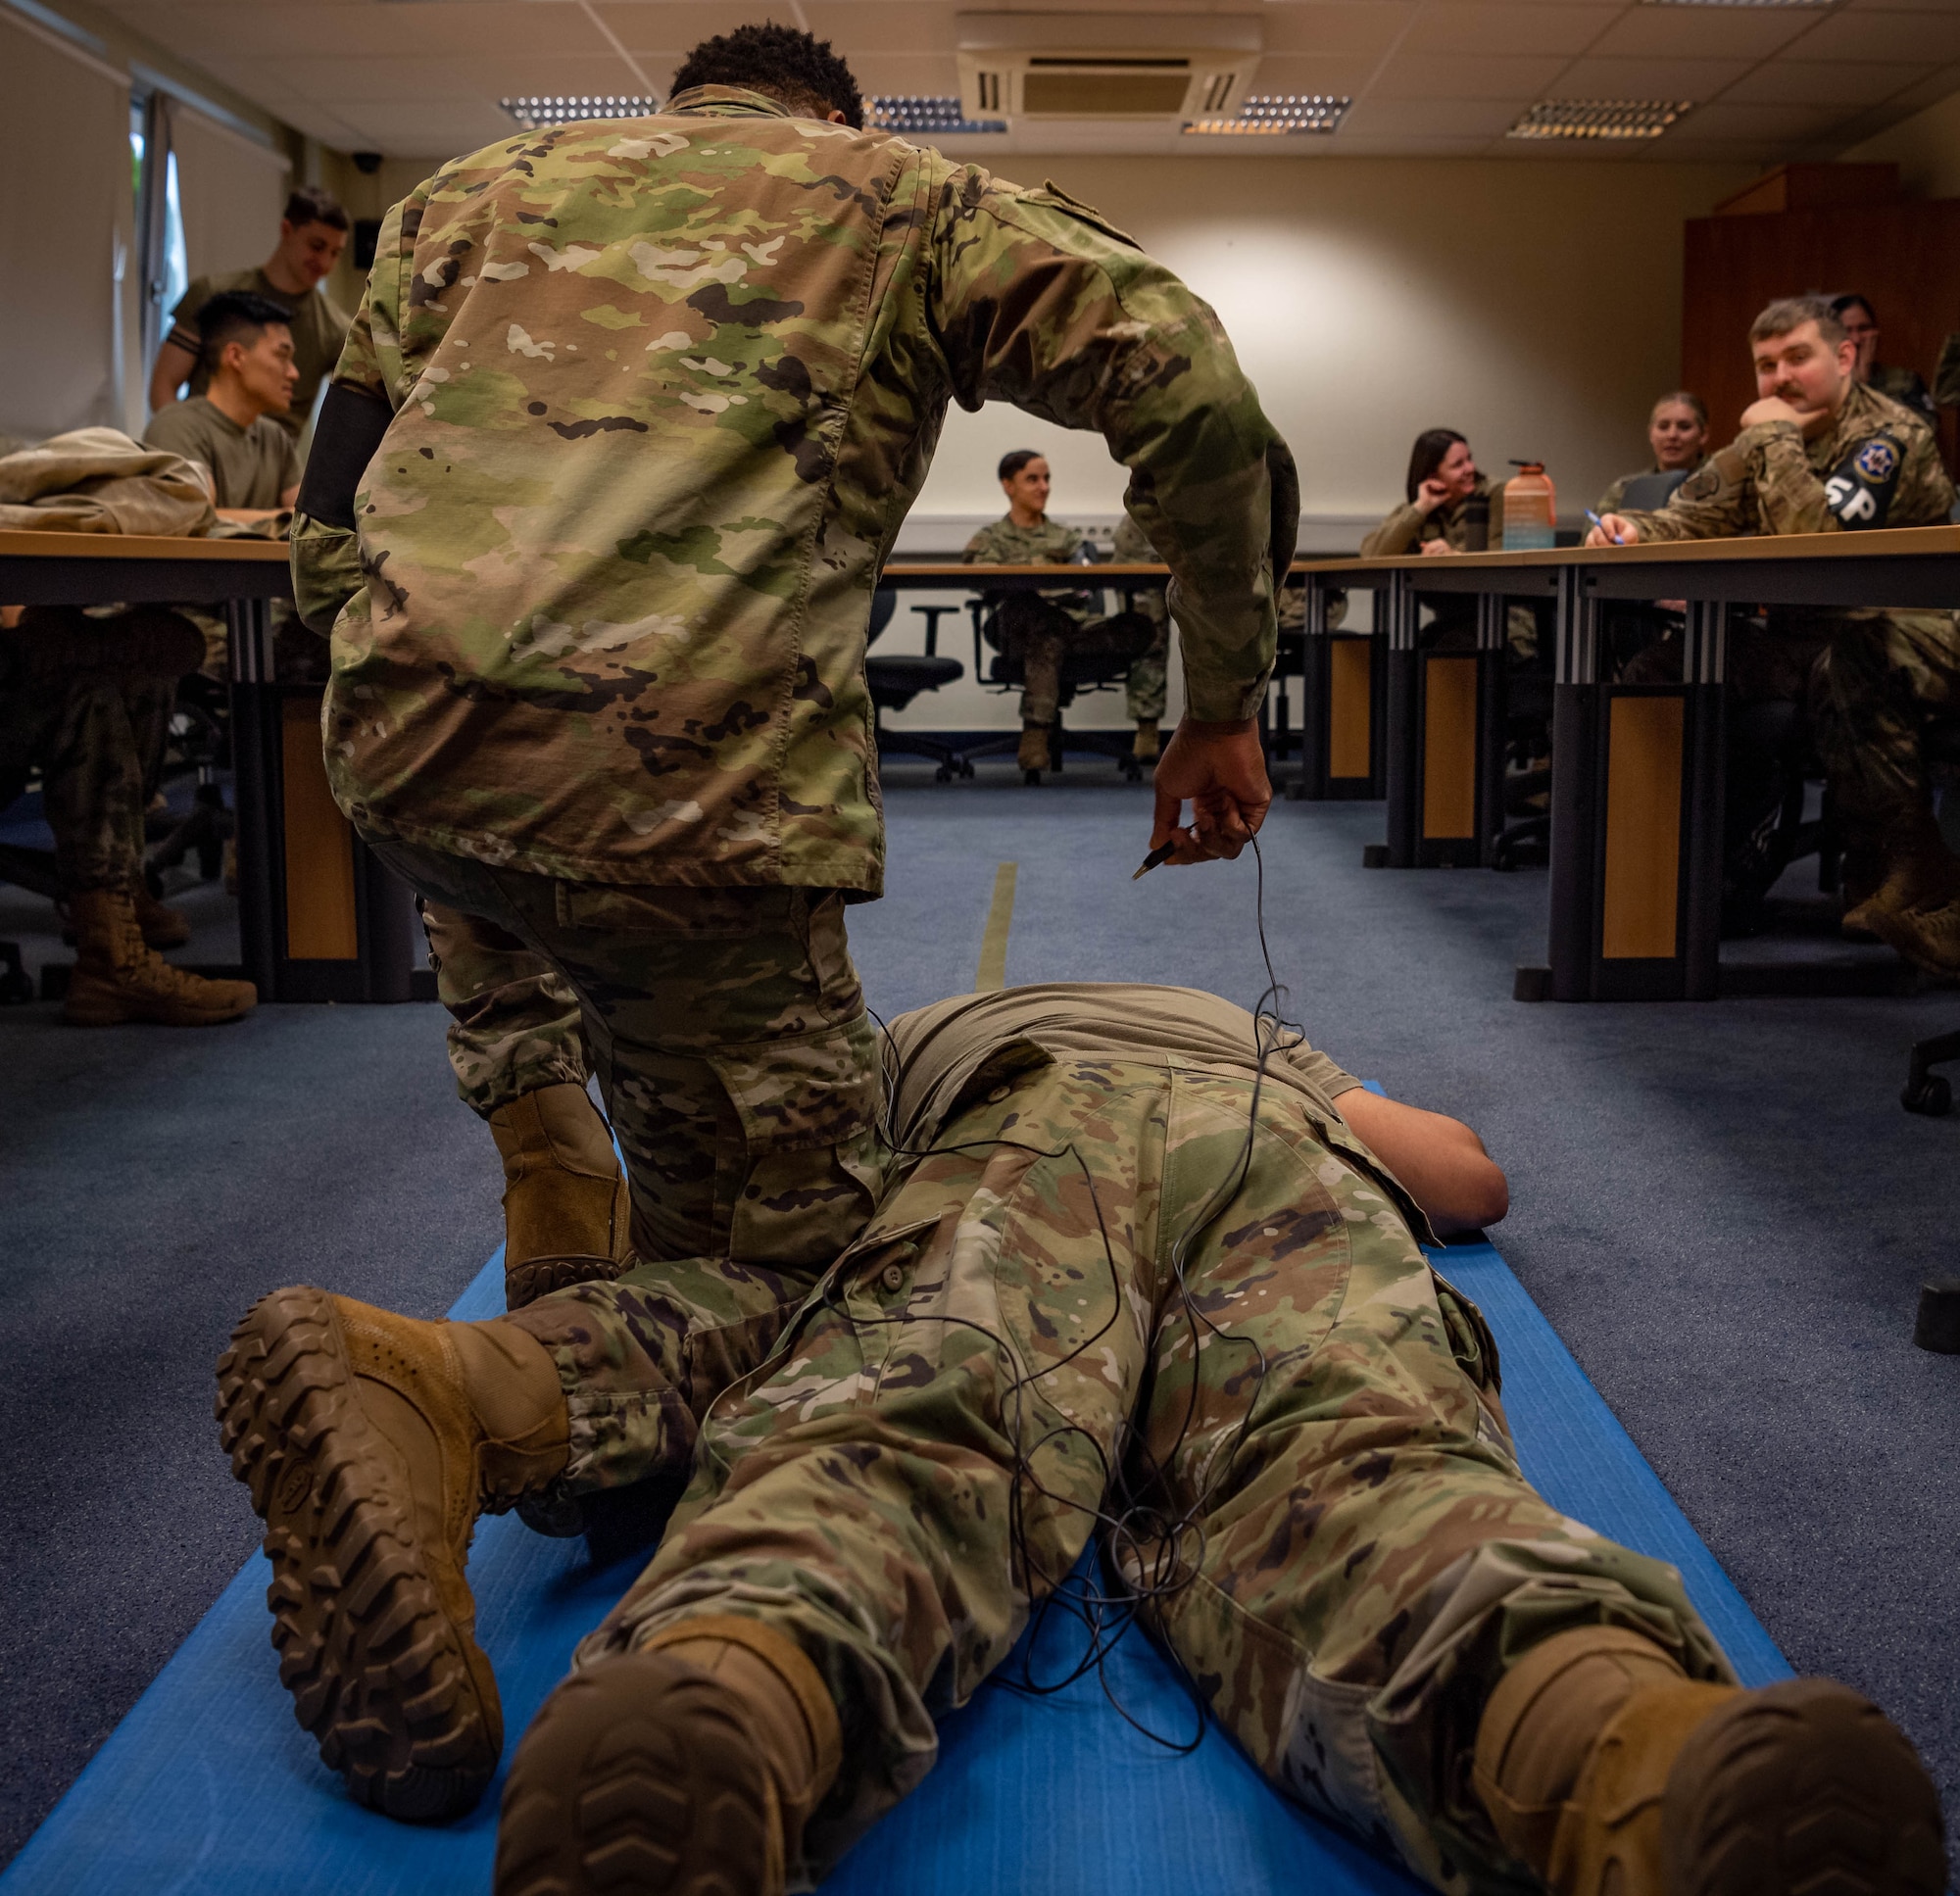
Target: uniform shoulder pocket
{"points": [[1052, 193]]}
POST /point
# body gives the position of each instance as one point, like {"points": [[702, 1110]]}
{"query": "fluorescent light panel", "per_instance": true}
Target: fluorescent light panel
{"points": [[1599, 118], [1274, 115], [533, 112], [926, 112]]}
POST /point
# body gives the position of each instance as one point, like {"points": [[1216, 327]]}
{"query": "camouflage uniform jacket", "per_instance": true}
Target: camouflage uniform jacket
{"points": [[1876, 465], [663, 391], [1906, 386], [1001, 543], [1473, 524]]}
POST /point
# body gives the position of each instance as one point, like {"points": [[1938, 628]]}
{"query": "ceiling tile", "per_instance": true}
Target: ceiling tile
{"points": [[1479, 27], [1466, 75], [674, 29], [1924, 37], [334, 81], [858, 26], [1849, 82], [1747, 124], [1703, 32], [1700, 79], [1296, 73], [1362, 31], [433, 128], [1428, 119], [926, 74]]}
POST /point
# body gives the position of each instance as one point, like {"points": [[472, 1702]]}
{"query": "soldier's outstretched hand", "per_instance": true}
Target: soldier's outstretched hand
{"points": [[1220, 770]]}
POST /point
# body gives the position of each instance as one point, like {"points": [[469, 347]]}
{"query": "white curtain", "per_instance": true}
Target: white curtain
{"points": [[233, 192], [67, 232]]}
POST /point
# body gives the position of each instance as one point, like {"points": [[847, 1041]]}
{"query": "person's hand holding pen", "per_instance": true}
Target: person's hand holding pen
{"points": [[1220, 770], [1611, 530]]}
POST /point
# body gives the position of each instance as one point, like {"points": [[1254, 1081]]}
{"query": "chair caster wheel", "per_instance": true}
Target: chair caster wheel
{"points": [[1031, 778], [1933, 1096], [943, 775]]}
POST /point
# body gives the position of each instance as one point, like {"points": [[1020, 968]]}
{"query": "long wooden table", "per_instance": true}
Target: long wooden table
{"points": [[318, 917], [1637, 771]]}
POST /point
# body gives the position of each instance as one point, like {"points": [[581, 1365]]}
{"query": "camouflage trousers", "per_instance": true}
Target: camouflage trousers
{"points": [[87, 700], [1100, 1299], [1147, 688], [1873, 686], [726, 1029], [1049, 646]]}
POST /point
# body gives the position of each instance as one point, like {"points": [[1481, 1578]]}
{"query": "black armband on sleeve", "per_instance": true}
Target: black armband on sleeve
{"points": [[1859, 491], [351, 422]]}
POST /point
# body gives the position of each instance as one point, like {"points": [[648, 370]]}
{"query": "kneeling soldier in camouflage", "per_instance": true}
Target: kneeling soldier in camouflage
{"points": [[1138, 1270], [625, 428]]}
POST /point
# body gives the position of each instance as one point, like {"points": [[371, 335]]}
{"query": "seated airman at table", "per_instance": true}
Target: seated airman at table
{"points": [[1450, 507], [85, 699], [1820, 452], [1678, 434], [235, 435], [1035, 629]]}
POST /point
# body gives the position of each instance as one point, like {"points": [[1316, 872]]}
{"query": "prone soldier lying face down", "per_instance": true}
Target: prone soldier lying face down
{"points": [[1144, 1268]]}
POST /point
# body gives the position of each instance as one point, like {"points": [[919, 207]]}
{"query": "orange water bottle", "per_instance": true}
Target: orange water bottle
{"points": [[1531, 505]]}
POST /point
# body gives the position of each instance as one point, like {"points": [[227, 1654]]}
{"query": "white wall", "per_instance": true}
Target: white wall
{"points": [[1925, 148], [1533, 304]]}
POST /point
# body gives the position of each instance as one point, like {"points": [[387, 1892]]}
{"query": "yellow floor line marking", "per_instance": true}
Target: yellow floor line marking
{"points": [[993, 939]]}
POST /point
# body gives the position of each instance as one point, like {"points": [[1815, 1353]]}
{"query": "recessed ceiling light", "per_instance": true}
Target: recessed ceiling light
{"points": [[1274, 115], [533, 112], [926, 112], [1599, 118]]}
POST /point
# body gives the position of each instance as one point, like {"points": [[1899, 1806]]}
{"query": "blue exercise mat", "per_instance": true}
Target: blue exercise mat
{"points": [[210, 1786]]}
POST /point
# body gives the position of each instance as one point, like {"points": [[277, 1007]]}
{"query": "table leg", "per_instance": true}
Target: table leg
{"points": [[254, 759]]}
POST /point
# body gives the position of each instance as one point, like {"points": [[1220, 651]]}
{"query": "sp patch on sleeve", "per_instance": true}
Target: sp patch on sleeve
{"points": [[1859, 491]]}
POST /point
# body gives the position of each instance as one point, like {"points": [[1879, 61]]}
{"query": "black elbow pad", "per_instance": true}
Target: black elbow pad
{"points": [[351, 422]]}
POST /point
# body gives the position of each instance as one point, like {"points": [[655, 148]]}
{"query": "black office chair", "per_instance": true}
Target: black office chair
{"points": [[1526, 832], [895, 681], [1079, 674], [29, 869]]}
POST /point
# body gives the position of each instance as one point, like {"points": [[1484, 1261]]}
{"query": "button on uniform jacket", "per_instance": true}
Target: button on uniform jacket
{"points": [[663, 390]]}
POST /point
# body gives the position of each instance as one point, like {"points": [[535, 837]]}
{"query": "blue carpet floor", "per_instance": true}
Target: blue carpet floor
{"points": [[1720, 1209]]}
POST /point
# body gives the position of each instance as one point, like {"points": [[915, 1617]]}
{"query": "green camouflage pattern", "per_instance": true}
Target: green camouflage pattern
{"points": [[726, 1029], [86, 700], [1052, 648], [1770, 479], [1011, 1327], [514, 1019], [1001, 543], [1905, 386], [1871, 677], [1473, 524], [1147, 688], [665, 389]]}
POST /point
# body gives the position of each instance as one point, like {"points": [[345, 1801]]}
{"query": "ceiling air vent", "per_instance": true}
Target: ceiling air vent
{"points": [[1100, 66], [1599, 119]]}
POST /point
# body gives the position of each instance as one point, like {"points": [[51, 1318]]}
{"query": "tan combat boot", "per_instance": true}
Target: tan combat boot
{"points": [[371, 1443], [1916, 909], [690, 1764], [1147, 745], [567, 1214], [161, 925], [1610, 1773], [119, 978], [1033, 754]]}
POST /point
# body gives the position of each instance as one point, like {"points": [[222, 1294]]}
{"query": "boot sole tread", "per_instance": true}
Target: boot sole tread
{"points": [[635, 1777], [1805, 1789], [376, 1670]]}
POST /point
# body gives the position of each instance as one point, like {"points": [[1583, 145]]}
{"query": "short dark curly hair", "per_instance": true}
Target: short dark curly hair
{"points": [[785, 63]]}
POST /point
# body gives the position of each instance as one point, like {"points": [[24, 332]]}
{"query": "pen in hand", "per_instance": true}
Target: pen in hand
{"points": [[1162, 854], [1598, 522]]}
